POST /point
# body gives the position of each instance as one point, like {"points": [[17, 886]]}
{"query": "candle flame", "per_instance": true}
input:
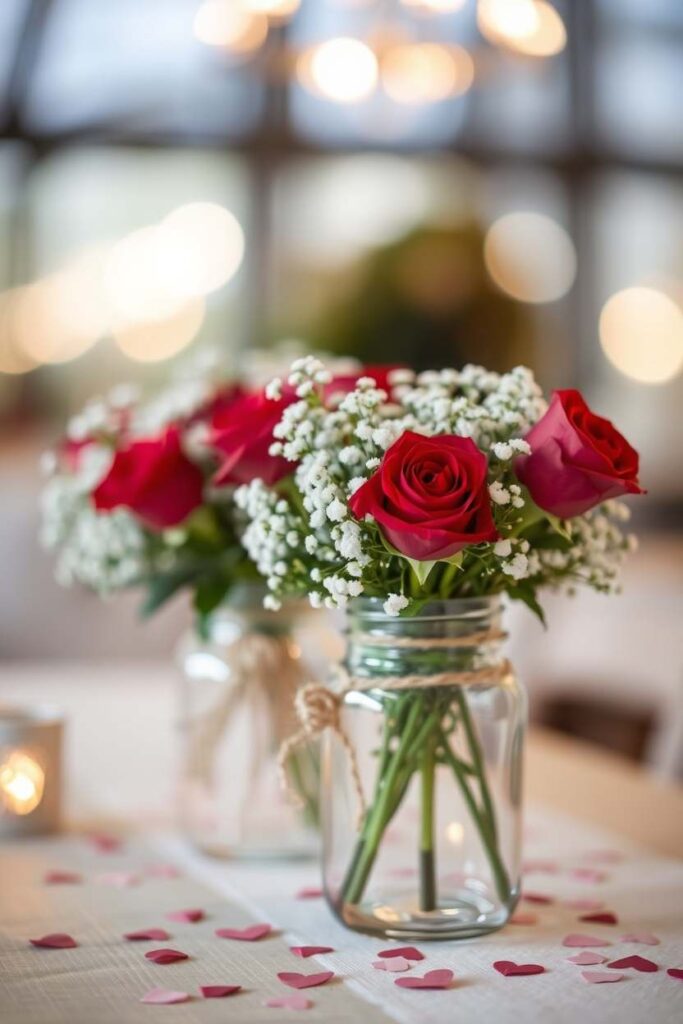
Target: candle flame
{"points": [[22, 781]]}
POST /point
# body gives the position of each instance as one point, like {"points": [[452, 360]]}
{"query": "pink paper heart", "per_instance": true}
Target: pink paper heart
{"points": [[576, 939], [545, 867], [600, 977], [148, 935], [587, 959], [407, 952], [675, 972], [510, 969], [162, 871], [119, 879], [296, 980], [646, 938], [588, 874], [165, 956], [164, 996], [521, 917], [432, 979], [186, 916], [104, 843], [62, 878], [56, 940], [293, 1002], [306, 951], [309, 892], [250, 934], [600, 917], [584, 904], [395, 964], [219, 991], [537, 897], [638, 963]]}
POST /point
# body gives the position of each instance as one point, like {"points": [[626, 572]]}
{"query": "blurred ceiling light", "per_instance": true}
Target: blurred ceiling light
{"points": [[202, 248], [343, 70], [641, 333], [136, 287], [59, 317], [530, 256], [155, 340], [426, 72], [275, 9], [12, 359], [548, 38], [504, 21], [436, 6], [229, 24]]}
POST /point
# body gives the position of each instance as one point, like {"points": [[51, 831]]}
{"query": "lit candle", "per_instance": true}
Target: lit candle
{"points": [[30, 771]]}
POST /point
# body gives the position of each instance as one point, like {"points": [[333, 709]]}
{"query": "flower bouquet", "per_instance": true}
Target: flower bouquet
{"points": [[416, 506]]}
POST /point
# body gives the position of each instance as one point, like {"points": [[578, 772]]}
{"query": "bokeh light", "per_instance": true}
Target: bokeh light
{"points": [[641, 333], [548, 37], [231, 25], [202, 248], [530, 256], [12, 359], [156, 340], [504, 21], [436, 6], [342, 69], [275, 9], [416, 73]]}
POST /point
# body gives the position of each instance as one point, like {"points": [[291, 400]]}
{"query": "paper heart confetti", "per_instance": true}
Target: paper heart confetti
{"points": [[638, 963], [584, 904], [588, 874], [407, 952], [309, 892], [186, 916], [604, 856], [162, 871], [675, 972], [296, 980], [587, 959], [512, 970], [104, 843], [148, 935], [251, 934], [165, 956], [62, 878], [522, 917], [56, 940], [600, 917], [164, 996], [219, 991], [601, 977], [395, 964], [432, 979], [646, 938], [545, 867], [537, 897], [577, 939], [293, 1002], [306, 951], [119, 879]]}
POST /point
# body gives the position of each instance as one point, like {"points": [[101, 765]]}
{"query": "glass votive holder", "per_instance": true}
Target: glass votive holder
{"points": [[30, 771]]}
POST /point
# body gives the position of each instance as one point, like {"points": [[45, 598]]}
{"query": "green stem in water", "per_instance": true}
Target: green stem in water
{"points": [[477, 761], [427, 853]]}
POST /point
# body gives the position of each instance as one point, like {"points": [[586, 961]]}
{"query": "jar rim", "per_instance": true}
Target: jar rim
{"points": [[372, 608]]}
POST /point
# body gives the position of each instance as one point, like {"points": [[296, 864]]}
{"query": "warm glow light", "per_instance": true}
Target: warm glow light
{"points": [[641, 333], [229, 24], [436, 6], [156, 340], [530, 257], [275, 9], [344, 70], [202, 247], [426, 72], [22, 782], [12, 359], [455, 833], [548, 38], [503, 21], [135, 287]]}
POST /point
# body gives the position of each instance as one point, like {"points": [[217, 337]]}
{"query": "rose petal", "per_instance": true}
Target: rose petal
{"points": [[600, 977], [250, 934], [296, 980], [577, 939], [186, 916], [600, 917], [165, 956], [675, 972], [510, 969], [537, 897], [309, 892], [646, 938], [219, 991], [293, 1002], [432, 979], [638, 963], [62, 878], [407, 952], [148, 935], [56, 940], [521, 917], [306, 951], [587, 959], [164, 996], [395, 964]]}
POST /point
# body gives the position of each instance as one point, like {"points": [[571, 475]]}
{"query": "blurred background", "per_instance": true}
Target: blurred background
{"points": [[435, 181]]}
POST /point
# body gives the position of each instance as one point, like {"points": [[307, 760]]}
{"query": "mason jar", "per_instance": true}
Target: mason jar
{"points": [[422, 774]]}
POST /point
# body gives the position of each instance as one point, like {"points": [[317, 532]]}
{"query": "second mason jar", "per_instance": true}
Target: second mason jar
{"points": [[423, 840]]}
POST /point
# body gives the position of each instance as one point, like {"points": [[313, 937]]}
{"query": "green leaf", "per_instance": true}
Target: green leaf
{"points": [[163, 586], [421, 569], [525, 592], [559, 526]]}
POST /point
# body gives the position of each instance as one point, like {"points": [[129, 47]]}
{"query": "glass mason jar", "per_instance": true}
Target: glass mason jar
{"points": [[238, 687], [435, 718]]}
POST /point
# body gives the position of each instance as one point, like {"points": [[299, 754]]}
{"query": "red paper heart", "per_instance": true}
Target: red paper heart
{"points": [[537, 897], [186, 916], [165, 956], [638, 963], [62, 878], [295, 980], [250, 934], [57, 940], [407, 952], [164, 996], [309, 892], [600, 917], [432, 979], [148, 935], [219, 991], [105, 843], [675, 972], [306, 951], [511, 970]]}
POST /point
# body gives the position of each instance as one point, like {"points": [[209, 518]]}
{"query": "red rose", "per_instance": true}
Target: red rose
{"points": [[429, 496], [346, 382], [243, 433], [153, 478], [577, 459]]}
